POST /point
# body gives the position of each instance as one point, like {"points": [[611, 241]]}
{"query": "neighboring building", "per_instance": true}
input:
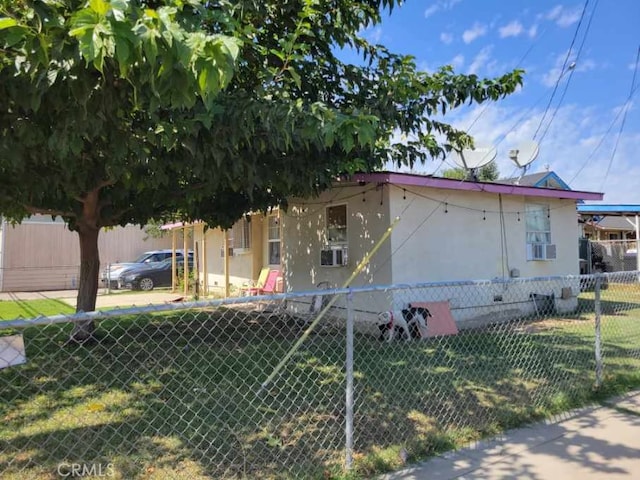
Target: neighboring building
{"points": [[598, 227], [612, 236], [540, 180], [42, 254]]}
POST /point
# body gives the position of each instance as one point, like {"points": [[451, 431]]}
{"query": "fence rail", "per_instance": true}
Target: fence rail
{"points": [[255, 387]]}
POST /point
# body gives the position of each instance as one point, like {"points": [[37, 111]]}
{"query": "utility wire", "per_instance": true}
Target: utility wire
{"points": [[572, 70], [624, 118], [562, 70], [604, 136]]}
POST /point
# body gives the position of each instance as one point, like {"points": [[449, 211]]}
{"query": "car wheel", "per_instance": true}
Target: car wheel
{"points": [[146, 284]]}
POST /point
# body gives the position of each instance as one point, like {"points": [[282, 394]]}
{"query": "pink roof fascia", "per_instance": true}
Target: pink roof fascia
{"points": [[450, 184], [171, 226]]}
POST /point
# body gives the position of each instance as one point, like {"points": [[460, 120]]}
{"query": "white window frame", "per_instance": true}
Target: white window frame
{"points": [[547, 233], [336, 241], [274, 240]]}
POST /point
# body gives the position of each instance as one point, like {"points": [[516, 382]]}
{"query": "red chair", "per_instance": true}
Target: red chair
{"points": [[270, 285]]}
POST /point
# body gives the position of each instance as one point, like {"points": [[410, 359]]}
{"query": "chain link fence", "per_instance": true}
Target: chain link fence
{"points": [[312, 384], [613, 255]]}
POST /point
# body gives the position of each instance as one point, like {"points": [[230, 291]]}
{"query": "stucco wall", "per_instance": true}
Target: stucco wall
{"points": [[241, 265], [304, 235], [457, 236], [448, 236]]}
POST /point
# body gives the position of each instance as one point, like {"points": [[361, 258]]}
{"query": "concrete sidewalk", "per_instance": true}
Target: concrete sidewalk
{"points": [[591, 443], [119, 299]]}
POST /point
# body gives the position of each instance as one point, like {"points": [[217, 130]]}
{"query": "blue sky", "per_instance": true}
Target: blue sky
{"points": [[490, 37]]}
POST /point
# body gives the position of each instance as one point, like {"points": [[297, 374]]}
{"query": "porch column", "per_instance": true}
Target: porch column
{"points": [[185, 263], [226, 263], [637, 242], [174, 279], [205, 283]]}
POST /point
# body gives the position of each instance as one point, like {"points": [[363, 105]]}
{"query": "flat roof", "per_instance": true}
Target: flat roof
{"points": [[611, 209], [470, 186]]}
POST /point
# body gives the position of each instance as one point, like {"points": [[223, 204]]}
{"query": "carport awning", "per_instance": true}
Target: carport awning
{"points": [[611, 210]]}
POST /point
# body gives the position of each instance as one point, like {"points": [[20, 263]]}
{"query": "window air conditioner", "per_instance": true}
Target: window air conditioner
{"points": [[541, 251], [333, 257]]}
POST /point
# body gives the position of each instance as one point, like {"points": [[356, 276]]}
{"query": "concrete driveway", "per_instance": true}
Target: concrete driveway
{"points": [[123, 298], [587, 444]]}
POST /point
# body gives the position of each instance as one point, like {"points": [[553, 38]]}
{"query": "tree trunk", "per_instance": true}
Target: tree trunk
{"points": [[88, 285]]}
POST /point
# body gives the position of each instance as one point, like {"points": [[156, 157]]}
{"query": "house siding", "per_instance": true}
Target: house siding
{"points": [[45, 255], [461, 240], [304, 236]]}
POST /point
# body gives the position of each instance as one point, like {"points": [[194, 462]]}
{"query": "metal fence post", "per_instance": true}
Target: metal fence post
{"points": [[108, 278], [598, 333], [349, 387]]}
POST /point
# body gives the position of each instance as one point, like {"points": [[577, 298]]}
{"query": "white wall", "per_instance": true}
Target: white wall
{"points": [[304, 236], [463, 242]]}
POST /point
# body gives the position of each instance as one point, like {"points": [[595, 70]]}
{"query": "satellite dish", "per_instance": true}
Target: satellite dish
{"points": [[524, 154], [470, 159]]}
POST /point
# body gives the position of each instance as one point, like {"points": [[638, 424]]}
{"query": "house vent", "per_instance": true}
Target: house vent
{"points": [[541, 251], [333, 257]]}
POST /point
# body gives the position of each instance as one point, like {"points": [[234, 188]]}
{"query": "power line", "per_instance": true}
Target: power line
{"points": [[604, 136], [572, 70], [563, 69], [624, 118]]}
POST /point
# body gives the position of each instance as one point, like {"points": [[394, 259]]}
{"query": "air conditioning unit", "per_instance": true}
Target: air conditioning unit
{"points": [[541, 251], [333, 257]]}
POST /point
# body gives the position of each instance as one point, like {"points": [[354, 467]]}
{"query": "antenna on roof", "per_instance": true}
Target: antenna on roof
{"points": [[522, 156], [471, 159]]}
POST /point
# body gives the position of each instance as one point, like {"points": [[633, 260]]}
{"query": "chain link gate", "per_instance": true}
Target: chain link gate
{"points": [[200, 390]]}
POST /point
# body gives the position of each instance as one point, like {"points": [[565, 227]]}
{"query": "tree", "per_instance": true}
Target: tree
{"points": [[123, 111], [488, 173]]}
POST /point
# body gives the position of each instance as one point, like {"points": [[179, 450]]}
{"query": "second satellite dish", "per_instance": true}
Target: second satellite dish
{"points": [[470, 159], [524, 154]]}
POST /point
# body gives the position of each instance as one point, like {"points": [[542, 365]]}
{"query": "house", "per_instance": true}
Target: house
{"points": [[546, 179], [449, 230], [225, 261], [43, 254], [613, 233]]}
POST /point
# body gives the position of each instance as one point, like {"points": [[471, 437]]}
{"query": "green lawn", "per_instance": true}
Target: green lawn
{"points": [[176, 396], [10, 310]]}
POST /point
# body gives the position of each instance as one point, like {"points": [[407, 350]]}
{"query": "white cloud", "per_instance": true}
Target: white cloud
{"points": [[446, 38], [478, 30], [551, 77], [533, 30], [431, 10], [569, 17], [554, 13], [562, 16], [457, 61], [482, 59], [440, 5], [569, 147], [376, 35], [511, 29]]}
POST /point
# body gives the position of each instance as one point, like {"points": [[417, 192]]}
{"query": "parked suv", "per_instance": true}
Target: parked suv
{"points": [[112, 272]]}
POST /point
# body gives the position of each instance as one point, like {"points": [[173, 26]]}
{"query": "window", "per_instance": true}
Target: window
{"points": [[538, 223], [240, 235], [337, 224], [274, 240]]}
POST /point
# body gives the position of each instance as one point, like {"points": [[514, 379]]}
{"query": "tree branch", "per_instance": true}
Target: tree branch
{"points": [[47, 211]]}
